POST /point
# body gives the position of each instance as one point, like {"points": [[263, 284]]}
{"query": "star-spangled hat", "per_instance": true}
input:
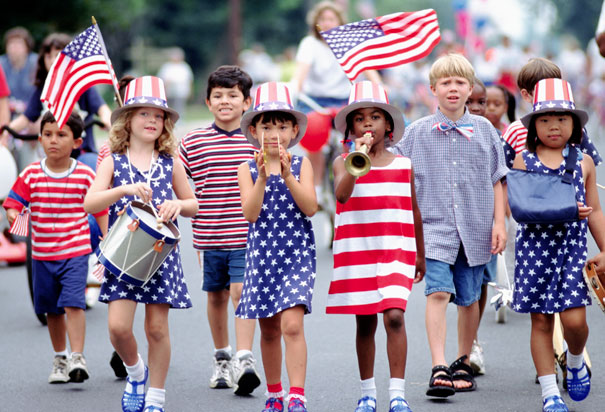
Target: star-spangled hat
{"points": [[273, 97], [368, 94], [553, 95], [146, 91]]}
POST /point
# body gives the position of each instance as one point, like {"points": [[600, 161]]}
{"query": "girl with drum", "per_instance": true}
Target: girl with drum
{"points": [[143, 166]]}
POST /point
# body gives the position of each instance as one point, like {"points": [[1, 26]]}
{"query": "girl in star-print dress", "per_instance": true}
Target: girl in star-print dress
{"points": [[143, 166], [278, 199], [549, 258]]}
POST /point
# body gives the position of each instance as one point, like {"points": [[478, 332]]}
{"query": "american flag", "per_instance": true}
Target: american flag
{"points": [[383, 42], [82, 64], [20, 226]]}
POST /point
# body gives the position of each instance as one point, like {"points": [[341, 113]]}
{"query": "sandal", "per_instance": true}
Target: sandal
{"points": [[441, 372], [462, 372], [133, 399], [578, 388]]}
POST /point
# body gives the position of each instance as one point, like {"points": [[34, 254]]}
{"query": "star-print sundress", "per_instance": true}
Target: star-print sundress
{"points": [[167, 285], [549, 259], [280, 253]]}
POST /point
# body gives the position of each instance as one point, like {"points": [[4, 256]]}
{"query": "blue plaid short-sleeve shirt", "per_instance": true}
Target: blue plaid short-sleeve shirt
{"points": [[454, 179]]}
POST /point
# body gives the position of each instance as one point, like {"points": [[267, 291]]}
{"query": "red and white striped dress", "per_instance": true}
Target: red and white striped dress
{"points": [[374, 243]]}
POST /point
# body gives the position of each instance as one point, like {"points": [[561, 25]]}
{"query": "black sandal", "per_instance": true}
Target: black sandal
{"points": [[441, 372], [463, 372]]}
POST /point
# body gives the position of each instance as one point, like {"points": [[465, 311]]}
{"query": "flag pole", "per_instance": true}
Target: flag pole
{"points": [[108, 62]]}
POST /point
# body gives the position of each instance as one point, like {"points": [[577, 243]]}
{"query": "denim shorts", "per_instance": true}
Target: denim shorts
{"points": [[222, 268], [459, 279], [491, 270], [59, 284]]}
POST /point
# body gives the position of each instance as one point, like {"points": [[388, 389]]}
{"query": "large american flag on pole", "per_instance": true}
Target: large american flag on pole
{"points": [[82, 64], [383, 42]]}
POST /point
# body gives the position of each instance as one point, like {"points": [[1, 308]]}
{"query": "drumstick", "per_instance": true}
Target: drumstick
{"points": [[600, 186]]}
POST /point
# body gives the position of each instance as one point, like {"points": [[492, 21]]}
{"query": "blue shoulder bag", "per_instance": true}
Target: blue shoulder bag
{"points": [[543, 198]]}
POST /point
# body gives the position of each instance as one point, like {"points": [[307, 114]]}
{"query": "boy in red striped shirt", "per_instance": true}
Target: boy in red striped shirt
{"points": [[211, 156], [54, 189]]}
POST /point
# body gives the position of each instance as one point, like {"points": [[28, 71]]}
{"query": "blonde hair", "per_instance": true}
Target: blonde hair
{"points": [[119, 135], [453, 64], [317, 10]]}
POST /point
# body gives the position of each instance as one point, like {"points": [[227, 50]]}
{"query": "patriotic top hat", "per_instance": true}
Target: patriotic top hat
{"points": [[554, 95], [368, 94], [273, 97], [146, 91]]}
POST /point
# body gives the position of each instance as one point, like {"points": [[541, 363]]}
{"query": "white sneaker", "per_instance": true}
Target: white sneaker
{"points": [[59, 373], [245, 375], [476, 359], [78, 372], [222, 374]]}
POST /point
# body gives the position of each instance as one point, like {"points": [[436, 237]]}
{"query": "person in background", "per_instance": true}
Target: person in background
{"points": [[178, 78], [19, 65]]}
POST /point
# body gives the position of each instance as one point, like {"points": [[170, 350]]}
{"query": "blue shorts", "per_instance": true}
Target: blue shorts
{"points": [[59, 284], [491, 270], [222, 268], [459, 279]]}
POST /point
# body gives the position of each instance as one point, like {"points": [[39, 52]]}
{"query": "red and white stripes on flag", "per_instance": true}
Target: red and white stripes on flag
{"points": [[20, 226], [383, 42], [82, 64], [99, 272]]}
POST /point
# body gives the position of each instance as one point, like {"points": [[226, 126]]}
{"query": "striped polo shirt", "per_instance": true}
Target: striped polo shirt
{"points": [[211, 157], [56, 201]]}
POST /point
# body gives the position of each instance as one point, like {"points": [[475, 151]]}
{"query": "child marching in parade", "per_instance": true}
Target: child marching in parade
{"points": [[378, 241], [143, 166], [54, 190], [278, 199], [550, 257]]}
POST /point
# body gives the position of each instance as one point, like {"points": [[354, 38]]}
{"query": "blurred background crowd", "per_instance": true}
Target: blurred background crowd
{"points": [[183, 40]]}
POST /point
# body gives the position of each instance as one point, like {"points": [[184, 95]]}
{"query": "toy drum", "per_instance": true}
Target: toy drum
{"points": [[8, 170], [136, 245]]}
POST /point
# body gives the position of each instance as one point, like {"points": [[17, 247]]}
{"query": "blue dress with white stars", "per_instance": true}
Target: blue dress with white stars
{"points": [[280, 254], [167, 285], [549, 258]]}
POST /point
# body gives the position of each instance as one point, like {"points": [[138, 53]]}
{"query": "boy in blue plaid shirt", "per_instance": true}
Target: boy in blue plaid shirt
{"points": [[459, 162]]}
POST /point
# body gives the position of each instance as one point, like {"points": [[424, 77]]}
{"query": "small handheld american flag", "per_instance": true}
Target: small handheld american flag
{"points": [[20, 226], [385, 41], [82, 64]]}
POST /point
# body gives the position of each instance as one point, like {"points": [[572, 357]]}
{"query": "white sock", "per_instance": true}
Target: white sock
{"points": [[396, 388], [225, 349], [548, 383], [368, 388], [136, 372], [62, 353], [241, 353], [155, 397], [575, 362]]}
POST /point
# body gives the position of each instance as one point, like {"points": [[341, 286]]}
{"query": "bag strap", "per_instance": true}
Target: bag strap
{"points": [[570, 163]]}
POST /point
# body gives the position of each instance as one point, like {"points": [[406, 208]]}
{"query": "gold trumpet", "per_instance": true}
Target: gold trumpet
{"points": [[358, 162]]}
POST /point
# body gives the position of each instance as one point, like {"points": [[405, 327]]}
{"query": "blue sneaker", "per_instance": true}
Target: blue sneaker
{"points": [[133, 399], [554, 404], [296, 405], [366, 404], [274, 405], [399, 404], [578, 388]]}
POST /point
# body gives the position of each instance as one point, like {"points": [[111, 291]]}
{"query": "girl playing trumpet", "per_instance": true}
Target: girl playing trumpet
{"points": [[378, 242]]}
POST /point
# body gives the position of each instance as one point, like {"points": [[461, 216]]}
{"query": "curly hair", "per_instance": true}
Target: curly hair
{"points": [[119, 135]]}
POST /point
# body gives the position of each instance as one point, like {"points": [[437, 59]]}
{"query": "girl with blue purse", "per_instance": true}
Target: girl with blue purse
{"points": [[551, 252]]}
